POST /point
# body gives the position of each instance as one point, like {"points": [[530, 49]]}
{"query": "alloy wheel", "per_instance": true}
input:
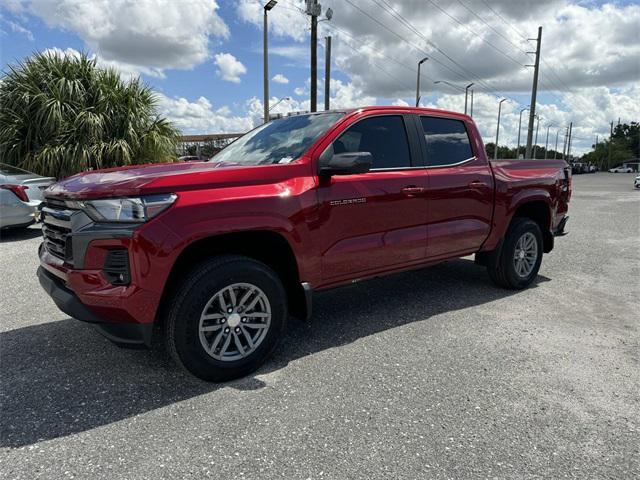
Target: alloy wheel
{"points": [[525, 255], [234, 322]]}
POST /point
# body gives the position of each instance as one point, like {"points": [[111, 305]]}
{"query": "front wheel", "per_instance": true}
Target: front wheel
{"points": [[520, 257], [226, 318]]}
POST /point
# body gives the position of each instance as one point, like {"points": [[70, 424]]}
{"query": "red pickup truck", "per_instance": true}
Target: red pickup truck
{"points": [[219, 253]]}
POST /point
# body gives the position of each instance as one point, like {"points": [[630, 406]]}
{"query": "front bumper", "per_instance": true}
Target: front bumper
{"points": [[125, 334], [77, 273]]}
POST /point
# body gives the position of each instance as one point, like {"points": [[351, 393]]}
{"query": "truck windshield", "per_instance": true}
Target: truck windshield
{"points": [[279, 141]]}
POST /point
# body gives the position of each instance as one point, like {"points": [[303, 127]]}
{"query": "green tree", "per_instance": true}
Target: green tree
{"points": [[624, 145], [62, 114]]}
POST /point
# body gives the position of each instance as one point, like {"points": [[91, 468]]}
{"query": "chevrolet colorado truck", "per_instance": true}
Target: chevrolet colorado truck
{"points": [[220, 253]]}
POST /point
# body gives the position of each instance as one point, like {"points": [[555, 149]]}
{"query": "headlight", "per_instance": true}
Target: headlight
{"points": [[125, 209]]}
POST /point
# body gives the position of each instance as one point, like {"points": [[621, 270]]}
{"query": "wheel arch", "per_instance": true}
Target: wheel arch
{"points": [[266, 246], [538, 210]]}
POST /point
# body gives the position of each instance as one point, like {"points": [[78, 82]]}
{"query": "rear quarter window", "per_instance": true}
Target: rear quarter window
{"points": [[447, 141]]}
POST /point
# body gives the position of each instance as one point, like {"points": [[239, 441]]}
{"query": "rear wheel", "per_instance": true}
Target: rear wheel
{"points": [[519, 260], [226, 318]]}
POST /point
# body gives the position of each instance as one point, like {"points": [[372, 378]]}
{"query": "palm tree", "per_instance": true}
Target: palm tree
{"points": [[62, 114]]}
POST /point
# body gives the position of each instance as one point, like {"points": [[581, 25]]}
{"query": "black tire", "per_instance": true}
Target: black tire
{"points": [[501, 267], [187, 304]]}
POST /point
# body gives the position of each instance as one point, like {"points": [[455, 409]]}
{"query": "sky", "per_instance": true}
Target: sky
{"points": [[204, 57]]}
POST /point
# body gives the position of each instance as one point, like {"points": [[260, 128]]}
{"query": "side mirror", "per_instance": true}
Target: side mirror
{"points": [[348, 163]]}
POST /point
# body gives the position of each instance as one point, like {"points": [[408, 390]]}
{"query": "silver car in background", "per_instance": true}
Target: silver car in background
{"points": [[20, 196]]}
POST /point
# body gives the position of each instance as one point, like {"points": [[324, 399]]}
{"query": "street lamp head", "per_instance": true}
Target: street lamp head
{"points": [[270, 4], [423, 60]]}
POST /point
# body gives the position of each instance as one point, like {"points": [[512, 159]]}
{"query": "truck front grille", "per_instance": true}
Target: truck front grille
{"points": [[56, 229]]}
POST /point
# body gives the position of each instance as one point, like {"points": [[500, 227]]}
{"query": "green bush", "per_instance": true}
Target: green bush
{"points": [[62, 114]]}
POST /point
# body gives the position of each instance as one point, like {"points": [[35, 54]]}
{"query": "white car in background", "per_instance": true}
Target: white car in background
{"points": [[20, 196], [621, 170]]}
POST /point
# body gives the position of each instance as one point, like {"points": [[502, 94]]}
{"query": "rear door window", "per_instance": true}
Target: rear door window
{"points": [[447, 141]]}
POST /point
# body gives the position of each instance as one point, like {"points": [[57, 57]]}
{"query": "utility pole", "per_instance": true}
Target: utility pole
{"points": [[555, 151], [546, 144], [564, 146], [313, 10], [569, 141], [535, 148], [265, 60], [495, 151], [519, 130], [610, 142], [534, 92], [418, 81], [466, 93], [327, 70]]}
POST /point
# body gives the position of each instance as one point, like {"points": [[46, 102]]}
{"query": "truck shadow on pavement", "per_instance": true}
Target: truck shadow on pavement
{"points": [[61, 378], [18, 234]]}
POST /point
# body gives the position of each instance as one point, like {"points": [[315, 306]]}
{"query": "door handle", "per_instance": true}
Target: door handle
{"points": [[477, 184], [412, 190]]}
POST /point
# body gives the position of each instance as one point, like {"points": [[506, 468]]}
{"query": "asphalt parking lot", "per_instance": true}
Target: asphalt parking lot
{"points": [[429, 374]]}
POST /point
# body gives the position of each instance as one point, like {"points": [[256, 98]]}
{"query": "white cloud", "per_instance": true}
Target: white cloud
{"points": [[590, 52], [126, 71], [148, 35], [14, 6], [607, 105], [347, 95], [400, 103], [299, 91], [17, 28], [229, 67], [279, 78], [200, 117], [285, 20]]}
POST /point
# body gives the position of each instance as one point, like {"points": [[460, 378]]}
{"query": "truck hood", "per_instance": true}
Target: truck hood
{"points": [[163, 178]]}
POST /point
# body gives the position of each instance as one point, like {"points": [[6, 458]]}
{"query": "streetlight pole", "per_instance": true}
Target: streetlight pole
{"points": [[495, 151], [265, 60], [466, 92], [555, 151], [449, 83], [546, 144], [471, 112], [314, 12], [519, 131], [418, 80], [279, 102], [535, 146], [327, 71]]}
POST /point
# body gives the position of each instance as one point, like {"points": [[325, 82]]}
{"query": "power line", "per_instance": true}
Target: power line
{"points": [[549, 67], [398, 16], [506, 55], [505, 21], [492, 28], [379, 67], [396, 61], [386, 27]]}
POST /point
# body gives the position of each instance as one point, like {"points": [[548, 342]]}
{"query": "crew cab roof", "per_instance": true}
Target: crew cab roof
{"points": [[394, 108]]}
